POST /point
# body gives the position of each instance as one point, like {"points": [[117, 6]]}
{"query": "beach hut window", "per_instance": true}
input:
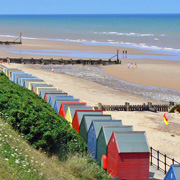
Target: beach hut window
{"points": [[113, 139], [92, 128], [171, 175]]}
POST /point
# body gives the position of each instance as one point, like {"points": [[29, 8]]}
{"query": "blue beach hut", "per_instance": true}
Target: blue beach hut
{"points": [[52, 100], [86, 122], [57, 104], [48, 96], [93, 133], [173, 173], [30, 78], [18, 77], [14, 73]]}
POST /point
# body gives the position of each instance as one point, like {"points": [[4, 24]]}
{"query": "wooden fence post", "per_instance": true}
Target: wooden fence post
{"points": [[127, 106]]}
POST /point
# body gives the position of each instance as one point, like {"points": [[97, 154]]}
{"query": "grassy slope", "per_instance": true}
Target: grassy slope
{"points": [[18, 160]]}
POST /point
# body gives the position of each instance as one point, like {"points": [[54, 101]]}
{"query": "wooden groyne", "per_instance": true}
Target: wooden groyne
{"points": [[60, 61], [144, 107], [12, 42]]}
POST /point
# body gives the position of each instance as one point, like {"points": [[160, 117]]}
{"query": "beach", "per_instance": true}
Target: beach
{"points": [[159, 136]]}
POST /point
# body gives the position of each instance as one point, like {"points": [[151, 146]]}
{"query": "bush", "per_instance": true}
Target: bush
{"points": [[34, 117]]}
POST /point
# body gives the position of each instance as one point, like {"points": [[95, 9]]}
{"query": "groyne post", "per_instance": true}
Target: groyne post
{"points": [[127, 106], [100, 106]]}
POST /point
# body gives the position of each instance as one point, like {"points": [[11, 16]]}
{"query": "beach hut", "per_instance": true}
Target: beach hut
{"points": [[64, 106], [78, 117], [39, 89], [8, 70], [128, 155], [4, 70], [58, 102], [93, 133], [48, 95], [29, 78], [32, 85], [72, 109], [44, 91], [86, 122], [40, 85], [26, 82], [18, 76], [173, 173], [52, 100], [13, 73], [104, 136]]}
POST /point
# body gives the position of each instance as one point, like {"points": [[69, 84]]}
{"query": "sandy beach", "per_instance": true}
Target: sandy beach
{"points": [[161, 137]]}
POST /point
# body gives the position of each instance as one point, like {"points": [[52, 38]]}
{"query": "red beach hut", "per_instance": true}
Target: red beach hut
{"points": [[128, 155], [64, 107], [78, 117]]}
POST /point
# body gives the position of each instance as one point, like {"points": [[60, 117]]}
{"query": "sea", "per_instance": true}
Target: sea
{"points": [[159, 33]]}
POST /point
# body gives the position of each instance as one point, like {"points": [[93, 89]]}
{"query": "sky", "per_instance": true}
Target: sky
{"points": [[89, 6]]}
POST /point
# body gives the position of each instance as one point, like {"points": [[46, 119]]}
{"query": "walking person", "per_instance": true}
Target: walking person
{"points": [[128, 65]]}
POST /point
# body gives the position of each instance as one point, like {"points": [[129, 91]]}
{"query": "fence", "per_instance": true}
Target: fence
{"points": [[128, 107], [161, 161]]}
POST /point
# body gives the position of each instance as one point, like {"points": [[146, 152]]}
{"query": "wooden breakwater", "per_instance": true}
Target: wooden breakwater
{"points": [[12, 42], [128, 107], [60, 61], [9, 42]]}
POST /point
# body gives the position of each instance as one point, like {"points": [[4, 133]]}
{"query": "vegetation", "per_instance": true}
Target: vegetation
{"points": [[46, 131]]}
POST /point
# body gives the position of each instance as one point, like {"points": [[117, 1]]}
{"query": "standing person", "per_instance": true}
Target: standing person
{"points": [[128, 65], [52, 68]]}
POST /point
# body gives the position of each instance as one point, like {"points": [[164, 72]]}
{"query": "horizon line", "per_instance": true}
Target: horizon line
{"points": [[104, 14]]}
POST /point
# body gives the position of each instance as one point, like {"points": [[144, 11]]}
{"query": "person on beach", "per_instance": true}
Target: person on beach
{"points": [[128, 65], [52, 68]]}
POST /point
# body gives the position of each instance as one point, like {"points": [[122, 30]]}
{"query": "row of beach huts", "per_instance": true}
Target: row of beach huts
{"points": [[124, 153]]}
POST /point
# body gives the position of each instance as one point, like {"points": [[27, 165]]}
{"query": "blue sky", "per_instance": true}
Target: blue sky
{"points": [[89, 6]]}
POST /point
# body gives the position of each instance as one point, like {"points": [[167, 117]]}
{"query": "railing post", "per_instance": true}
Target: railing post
{"points": [[151, 155], [127, 106], [165, 164], [158, 160], [173, 161]]}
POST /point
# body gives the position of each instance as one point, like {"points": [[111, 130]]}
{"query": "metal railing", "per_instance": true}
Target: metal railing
{"points": [[161, 161]]}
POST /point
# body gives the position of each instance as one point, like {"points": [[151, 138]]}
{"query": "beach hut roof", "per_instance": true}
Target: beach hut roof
{"points": [[52, 100], [13, 73], [26, 82], [18, 78], [97, 124], [61, 94], [39, 89], [28, 78], [41, 85], [131, 142], [43, 92], [108, 130], [75, 104], [81, 113], [74, 108]]}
